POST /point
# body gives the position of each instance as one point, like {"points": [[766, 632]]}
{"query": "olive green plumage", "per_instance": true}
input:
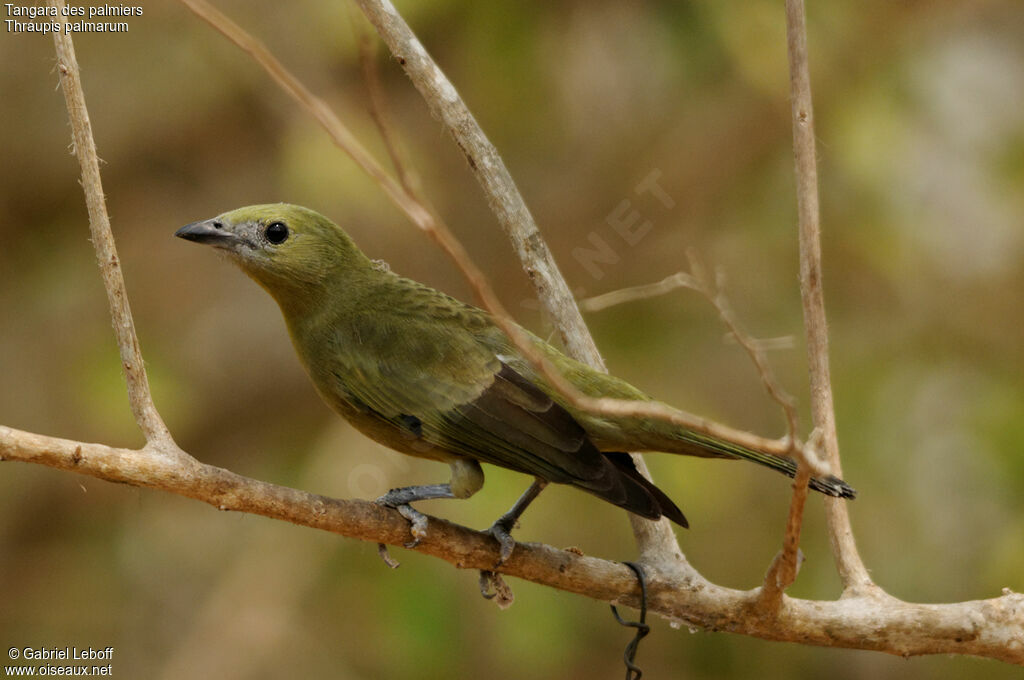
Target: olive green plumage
{"points": [[433, 377]]}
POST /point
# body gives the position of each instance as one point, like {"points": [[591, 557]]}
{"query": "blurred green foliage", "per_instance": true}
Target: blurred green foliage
{"points": [[920, 120]]}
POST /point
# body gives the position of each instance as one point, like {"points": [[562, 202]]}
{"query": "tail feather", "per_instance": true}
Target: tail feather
{"points": [[829, 485], [645, 499]]}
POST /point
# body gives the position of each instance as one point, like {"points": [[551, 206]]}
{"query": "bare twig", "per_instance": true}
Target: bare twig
{"points": [[338, 132], [624, 295], [139, 396], [697, 279], [378, 105], [771, 385], [851, 568], [783, 569], [991, 628], [713, 291], [780, 342]]}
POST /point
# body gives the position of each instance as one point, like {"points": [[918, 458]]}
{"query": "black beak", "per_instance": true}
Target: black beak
{"points": [[211, 232]]}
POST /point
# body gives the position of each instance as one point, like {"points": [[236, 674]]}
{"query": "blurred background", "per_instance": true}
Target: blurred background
{"points": [[920, 123]]}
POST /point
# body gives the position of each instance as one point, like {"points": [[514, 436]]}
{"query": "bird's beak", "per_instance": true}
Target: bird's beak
{"points": [[211, 232]]}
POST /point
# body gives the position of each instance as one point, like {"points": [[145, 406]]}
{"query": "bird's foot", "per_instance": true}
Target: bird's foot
{"points": [[501, 531], [397, 499], [493, 587], [417, 523]]}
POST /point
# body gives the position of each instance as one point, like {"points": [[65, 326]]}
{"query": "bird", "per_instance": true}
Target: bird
{"points": [[432, 377]]}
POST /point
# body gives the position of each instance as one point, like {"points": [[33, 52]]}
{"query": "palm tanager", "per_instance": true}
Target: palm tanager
{"points": [[432, 377]]}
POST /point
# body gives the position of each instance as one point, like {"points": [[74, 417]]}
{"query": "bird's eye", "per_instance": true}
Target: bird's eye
{"points": [[276, 232]]}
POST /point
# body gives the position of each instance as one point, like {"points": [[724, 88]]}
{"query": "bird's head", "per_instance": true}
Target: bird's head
{"points": [[286, 248]]}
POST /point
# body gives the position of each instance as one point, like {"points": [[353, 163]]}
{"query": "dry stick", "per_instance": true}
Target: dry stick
{"points": [[379, 109], [314, 105], [146, 415], [698, 280], [848, 561], [635, 293], [714, 292], [992, 628], [783, 569], [668, 284]]}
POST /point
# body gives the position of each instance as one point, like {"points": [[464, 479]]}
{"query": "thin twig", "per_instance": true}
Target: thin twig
{"points": [[697, 279], [991, 628], [338, 132], [848, 561], [139, 396], [635, 293], [778, 343], [378, 106], [771, 385], [714, 292], [783, 570]]}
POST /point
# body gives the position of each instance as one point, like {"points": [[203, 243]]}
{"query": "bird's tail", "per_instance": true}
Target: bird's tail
{"points": [[695, 444], [642, 496]]}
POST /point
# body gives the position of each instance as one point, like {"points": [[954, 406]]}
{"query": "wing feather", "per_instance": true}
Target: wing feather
{"points": [[429, 359]]}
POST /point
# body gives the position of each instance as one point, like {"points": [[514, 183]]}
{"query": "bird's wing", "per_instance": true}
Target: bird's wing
{"points": [[430, 364], [434, 367]]}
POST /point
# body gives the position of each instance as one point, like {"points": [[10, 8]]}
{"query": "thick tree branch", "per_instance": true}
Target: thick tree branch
{"points": [[851, 568], [991, 628]]}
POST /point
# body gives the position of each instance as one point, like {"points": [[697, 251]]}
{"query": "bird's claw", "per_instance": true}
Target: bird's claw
{"points": [[417, 520], [500, 531], [417, 523], [501, 593]]}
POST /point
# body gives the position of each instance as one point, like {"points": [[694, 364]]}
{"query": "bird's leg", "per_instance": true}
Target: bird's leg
{"points": [[467, 479], [503, 525], [399, 499], [411, 494]]}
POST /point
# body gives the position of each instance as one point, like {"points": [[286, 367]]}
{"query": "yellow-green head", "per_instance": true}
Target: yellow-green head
{"points": [[289, 250]]}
